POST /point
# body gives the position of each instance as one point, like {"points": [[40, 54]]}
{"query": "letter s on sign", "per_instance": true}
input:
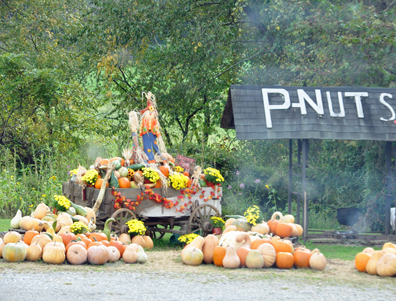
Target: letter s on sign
{"points": [[382, 100], [268, 107]]}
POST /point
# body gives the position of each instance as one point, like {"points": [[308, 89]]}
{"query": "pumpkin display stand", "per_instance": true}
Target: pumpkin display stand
{"points": [[157, 219]]}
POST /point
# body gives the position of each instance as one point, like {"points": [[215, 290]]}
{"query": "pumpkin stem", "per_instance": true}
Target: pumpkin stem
{"points": [[277, 214]]}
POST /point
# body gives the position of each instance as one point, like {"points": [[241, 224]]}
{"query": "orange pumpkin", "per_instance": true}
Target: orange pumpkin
{"points": [[75, 242], [97, 235], [283, 246], [242, 253], [361, 260], [118, 245], [164, 170], [105, 243], [273, 222], [284, 260], [301, 258], [158, 184], [98, 183], [186, 173], [104, 162], [218, 255], [124, 182], [258, 242], [284, 230], [67, 237], [95, 243], [211, 242], [27, 239]]}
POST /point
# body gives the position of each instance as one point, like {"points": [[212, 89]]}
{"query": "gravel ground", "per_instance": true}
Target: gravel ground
{"points": [[108, 285]]}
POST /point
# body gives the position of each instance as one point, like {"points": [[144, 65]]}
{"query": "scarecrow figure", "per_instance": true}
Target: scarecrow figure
{"points": [[149, 128]]}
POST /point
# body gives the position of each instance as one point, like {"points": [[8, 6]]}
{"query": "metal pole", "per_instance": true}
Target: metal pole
{"points": [[298, 195], [289, 198], [388, 155], [304, 187]]}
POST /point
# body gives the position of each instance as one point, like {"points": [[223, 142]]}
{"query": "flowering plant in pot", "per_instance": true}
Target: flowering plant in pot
{"points": [[218, 224]]}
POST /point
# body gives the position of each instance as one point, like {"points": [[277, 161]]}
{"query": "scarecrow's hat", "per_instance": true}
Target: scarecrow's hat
{"points": [[150, 106]]}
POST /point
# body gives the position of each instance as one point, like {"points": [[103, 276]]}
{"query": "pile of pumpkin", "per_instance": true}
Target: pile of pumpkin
{"points": [[42, 219], [282, 227], [238, 247], [96, 248], [381, 263]]}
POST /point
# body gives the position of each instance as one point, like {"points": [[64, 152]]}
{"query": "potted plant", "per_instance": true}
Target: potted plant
{"points": [[213, 177], [218, 224]]}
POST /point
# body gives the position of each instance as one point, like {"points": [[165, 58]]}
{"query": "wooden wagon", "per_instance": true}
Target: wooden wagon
{"points": [[195, 218]]}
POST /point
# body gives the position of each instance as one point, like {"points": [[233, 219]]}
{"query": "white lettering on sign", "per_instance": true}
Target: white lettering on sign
{"points": [[340, 102], [382, 100], [268, 107], [358, 101], [303, 96]]}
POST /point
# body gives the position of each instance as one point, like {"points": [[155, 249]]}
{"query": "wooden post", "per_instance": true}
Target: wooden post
{"points": [[298, 195]]}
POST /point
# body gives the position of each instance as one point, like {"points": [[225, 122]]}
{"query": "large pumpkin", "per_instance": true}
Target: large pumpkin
{"points": [[242, 225], [268, 253], [284, 230], [283, 246], [33, 252], [192, 256], [261, 228], [164, 170], [12, 237], [317, 261], [242, 253], [386, 266], [371, 266], [42, 240], [77, 254], [53, 253], [284, 260], [301, 258], [361, 260], [14, 252], [98, 254]]}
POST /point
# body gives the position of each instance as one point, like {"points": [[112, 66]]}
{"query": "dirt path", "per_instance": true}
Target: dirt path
{"points": [[166, 278]]}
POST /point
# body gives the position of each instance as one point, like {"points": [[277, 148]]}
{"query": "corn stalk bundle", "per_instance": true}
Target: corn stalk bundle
{"points": [[138, 155], [102, 191], [80, 172]]}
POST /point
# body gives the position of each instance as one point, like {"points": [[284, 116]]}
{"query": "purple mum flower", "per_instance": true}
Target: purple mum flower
{"points": [[240, 193], [229, 187], [237, 173], [257, 181], [242, 186]]}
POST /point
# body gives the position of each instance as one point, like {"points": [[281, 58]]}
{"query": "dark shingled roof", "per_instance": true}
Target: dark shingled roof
{"points": [[244, 112]]}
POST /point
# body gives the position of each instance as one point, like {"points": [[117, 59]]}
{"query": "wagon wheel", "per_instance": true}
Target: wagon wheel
{"points": [[157, 233], [121, 216], [200, 219]]}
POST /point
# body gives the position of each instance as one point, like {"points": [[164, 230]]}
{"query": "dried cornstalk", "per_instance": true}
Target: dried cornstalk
{"points": [[196, 176], [102, 191], [80, 172]]}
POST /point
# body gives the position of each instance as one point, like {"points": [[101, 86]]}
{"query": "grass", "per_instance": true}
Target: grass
{"points": [[340, 252], [4, 224]]}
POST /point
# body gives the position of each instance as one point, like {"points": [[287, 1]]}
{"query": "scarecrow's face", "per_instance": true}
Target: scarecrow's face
{"points": [[150, 114]]}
